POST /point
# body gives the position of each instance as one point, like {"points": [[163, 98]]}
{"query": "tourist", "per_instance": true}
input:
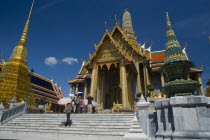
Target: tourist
{"points": [[68, 108], [77, 103], [72, 104], [81, 105], [90, 99]]}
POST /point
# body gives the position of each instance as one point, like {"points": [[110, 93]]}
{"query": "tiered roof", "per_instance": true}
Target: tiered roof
{"points": [[82, 75], [43, 87], [158, 59]]}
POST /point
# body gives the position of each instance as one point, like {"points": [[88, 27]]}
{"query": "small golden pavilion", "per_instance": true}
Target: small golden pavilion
{"points": [[120, 67]]}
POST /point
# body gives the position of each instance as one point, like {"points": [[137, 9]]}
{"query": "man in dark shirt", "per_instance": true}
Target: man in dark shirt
{"points": [[77, 103], [90, 99]]}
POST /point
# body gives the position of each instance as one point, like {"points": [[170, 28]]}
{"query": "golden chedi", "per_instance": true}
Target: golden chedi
{"points": [[14, 75]]}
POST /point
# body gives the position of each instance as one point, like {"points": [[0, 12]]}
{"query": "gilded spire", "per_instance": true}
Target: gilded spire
{"points": [[25, 30], [173, 48], [128, 27], [20, 51]]}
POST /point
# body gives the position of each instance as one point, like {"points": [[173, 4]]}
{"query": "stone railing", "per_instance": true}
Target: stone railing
{"points": [[176, 118], [10, 114], [183, 117]]}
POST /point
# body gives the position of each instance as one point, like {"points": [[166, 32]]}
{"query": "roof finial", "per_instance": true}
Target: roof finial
{"points": [[106, 26], [115, 17], [128, 27], [25, 30], [168, 19]]}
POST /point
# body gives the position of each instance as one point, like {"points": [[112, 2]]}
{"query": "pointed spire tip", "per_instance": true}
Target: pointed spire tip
{"points": [[25, 30]]}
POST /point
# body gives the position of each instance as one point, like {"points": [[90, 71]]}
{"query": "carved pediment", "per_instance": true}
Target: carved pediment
{"points": [[108, 53]]}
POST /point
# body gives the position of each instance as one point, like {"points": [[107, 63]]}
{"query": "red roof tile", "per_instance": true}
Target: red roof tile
{"points": [[158, 57]]}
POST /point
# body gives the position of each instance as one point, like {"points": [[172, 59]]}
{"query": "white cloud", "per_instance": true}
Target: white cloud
{"points": [[69, 60], [51, 61]]}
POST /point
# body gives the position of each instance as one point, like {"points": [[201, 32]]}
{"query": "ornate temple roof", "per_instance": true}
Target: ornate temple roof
{"points": [[128, 27], [45, 87], [126, 34], [158, 58], [173, 49], [82, 75]]}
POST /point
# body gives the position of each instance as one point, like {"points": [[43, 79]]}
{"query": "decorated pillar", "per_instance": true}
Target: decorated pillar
{"points": [[201, 91], [71, 89], [85, 90], [138, 78], [188, 77], [162, 79], [123, 85], [94, 80], [76, 91], [147, 76]]}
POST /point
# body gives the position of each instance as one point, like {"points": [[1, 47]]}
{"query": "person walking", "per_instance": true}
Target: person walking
{"points": [[68, 108], [77, 103], [81, 105], [90, 99]]}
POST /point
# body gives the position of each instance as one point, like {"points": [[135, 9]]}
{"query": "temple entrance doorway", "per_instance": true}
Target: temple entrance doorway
{"points": [[109, 85]]}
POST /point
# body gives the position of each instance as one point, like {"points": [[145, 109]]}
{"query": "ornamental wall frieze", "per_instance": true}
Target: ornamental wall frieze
{"points": [[170, 31], [172, 42], [170, 34], [171, 46], [175, 57]]}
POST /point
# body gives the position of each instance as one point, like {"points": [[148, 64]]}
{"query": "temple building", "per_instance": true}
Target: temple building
{"points": [[208, 88], [43, 87], [17, 81], [120, 67]]}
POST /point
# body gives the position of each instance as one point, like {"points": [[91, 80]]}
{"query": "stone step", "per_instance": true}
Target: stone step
{"points": [[80, 123], [81, 114], [116, 125], [64, 116], [73, 126], [86, 115], [12, 135], [62, 131], [73, 123], [67, 129], [74, 118], [63, 120]]}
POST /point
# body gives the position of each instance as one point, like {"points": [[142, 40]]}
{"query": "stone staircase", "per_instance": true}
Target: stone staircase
{"points": [[99, 125]]}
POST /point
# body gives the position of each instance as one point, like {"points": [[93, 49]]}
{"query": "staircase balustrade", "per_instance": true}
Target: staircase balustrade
{"points": [[14, 112]]}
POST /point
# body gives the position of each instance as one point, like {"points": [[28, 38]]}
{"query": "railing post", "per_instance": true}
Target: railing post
{"points": [[2, 108], [143, 107]]}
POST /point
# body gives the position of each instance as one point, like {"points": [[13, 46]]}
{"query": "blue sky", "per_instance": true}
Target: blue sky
{"points": [[64, 31]]}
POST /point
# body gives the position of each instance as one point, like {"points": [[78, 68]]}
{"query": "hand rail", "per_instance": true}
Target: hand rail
{"points": [[14, 112]]}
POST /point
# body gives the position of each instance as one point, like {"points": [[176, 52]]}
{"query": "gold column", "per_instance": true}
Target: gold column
{"points": [[102, 89], [85, 91], [201, 91], [76, 91], [138, 78], [147, 76], [123, 83], [94, 79], [188, 77], [98, 89], [71, 88], [162, 79]]}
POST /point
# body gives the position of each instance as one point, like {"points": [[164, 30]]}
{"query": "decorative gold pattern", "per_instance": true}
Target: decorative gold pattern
{"points": [[14, 79]]}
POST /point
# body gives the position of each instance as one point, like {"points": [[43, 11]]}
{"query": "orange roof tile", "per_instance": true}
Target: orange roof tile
{"points": [[158, 56]]}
